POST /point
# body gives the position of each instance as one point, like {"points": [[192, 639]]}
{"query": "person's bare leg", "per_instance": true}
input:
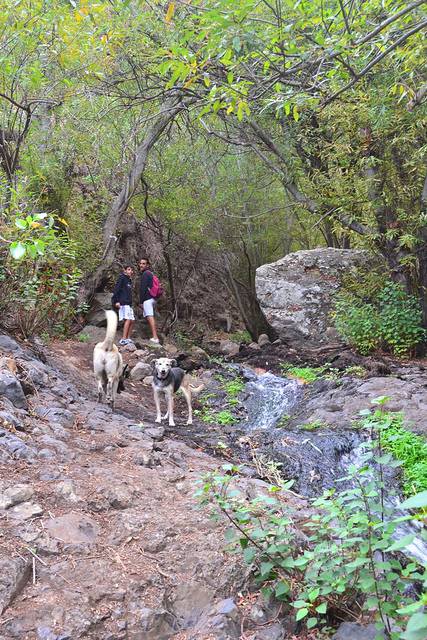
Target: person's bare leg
{"points": [[152, 322], [126, 329]]}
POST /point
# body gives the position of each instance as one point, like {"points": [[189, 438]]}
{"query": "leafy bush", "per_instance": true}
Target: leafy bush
{"points": [[342, 560], [392, 319]]}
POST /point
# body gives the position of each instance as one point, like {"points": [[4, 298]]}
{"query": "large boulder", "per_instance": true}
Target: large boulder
{"points": [[296, 293]]}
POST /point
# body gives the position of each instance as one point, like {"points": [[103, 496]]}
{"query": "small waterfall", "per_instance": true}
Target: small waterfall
{"points": [[269, 397]]}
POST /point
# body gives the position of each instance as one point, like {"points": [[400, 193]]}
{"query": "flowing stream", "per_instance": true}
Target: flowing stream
{"points": [[316, 459]]}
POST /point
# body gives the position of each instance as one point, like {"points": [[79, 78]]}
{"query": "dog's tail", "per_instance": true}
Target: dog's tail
{"points": [[196, 390], [110, 334]]}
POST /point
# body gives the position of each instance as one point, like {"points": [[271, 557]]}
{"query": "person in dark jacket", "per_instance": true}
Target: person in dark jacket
{"points": [[122, 300], [146, 301]]}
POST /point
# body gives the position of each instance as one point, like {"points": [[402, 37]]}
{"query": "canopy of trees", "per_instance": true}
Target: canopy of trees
{"points": [[236, 130]]}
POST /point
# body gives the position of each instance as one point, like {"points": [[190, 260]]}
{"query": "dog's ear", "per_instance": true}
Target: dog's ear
{"points": [[173, 362]]}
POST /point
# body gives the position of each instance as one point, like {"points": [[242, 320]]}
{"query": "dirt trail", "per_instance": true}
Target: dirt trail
{"points": [[103, 539]]}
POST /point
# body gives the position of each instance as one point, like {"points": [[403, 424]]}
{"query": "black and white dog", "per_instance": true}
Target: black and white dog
{"points": [[169, 378]]}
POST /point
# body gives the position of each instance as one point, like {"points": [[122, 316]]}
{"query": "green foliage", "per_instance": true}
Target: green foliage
{"points": [[313, 426], [83, 337], [400, 320], [347, 559], [224, 417], [392, 320], [306, 374], [243, 337], [407, 447]]}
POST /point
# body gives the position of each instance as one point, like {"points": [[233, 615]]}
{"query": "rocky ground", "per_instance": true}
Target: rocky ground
{"points": [[101, 537]]}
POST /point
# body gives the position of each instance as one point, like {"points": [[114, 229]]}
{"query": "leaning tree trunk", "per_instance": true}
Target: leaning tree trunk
{"points": [[120, 205]]}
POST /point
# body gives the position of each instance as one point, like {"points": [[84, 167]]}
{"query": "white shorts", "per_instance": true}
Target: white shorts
{"points": [[126, 312], [148, 307]]}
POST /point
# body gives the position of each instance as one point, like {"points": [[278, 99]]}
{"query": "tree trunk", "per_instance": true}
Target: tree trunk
{"points": [[120, 205]]}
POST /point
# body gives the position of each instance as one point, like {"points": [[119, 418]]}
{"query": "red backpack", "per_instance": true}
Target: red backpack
{"points": [[156, 289]]}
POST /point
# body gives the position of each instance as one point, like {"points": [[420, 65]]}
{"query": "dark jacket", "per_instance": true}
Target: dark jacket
{"points": [[145, 283], [122, 291]]}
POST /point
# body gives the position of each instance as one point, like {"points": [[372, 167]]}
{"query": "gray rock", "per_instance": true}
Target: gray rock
{"points": [[96, 315], [151, 624], [254, 345], [189, 601], [130, 347], [354, 631], [140, 371], [26, 510], [11, 388], [171, 349], [222, 622], [229, 348], [56, 414], [14, 573], [91, 333], [296, 293], [14, 447], [9, 345], [73, 528], [67, 490], [147, 381], [274, 631], [263, 339], [8, 419], [15, 494]]}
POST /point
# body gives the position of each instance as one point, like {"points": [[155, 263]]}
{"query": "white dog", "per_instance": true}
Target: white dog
{"points": [[169, 378], [108, 362]]}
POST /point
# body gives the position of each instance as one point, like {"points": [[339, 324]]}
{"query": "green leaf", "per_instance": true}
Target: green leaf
{"points": [[282, 589], [17, 250], [416, 502], [20, 223], [301, 614], [402, 543], [311, 622], [266, 567], [322, 608]]}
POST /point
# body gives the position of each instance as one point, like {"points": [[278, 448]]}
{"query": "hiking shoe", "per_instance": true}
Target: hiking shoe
{"points": [[155, 340], [123, 341]]}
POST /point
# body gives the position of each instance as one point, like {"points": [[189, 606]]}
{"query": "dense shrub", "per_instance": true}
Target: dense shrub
{"points": [[390, 319]]}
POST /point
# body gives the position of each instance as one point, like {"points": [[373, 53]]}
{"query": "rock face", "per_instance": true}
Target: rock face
{"points": [[96, 315], [296, 293]]}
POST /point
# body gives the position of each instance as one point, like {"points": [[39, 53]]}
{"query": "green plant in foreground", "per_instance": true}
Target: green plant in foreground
{"points": [[306, 374], [83, 337], [243, 337], [347, 560]]}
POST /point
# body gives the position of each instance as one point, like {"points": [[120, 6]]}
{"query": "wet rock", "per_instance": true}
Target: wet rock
{"points": [[14, 573], [140, 371], [11, 388], [26, 510], [73, 528], [229, 348], [15, 494], [355, 631], [263, 339]]}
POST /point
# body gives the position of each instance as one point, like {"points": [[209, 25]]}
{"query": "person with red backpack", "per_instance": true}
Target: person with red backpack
{"points": [[150, 291]]}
